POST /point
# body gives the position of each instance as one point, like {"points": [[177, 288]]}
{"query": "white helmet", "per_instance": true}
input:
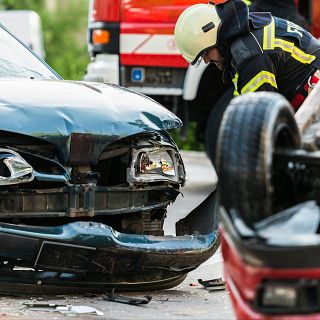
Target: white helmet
{"points": [[196, 30]]}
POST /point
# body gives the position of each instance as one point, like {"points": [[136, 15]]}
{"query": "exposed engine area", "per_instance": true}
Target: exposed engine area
{"points": [[128, 188]]}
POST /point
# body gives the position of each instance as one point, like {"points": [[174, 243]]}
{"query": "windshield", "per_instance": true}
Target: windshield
{"points": [[16, 61]]}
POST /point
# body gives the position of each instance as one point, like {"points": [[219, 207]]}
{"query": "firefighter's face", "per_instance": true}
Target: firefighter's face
{"points": [[213, 56]]}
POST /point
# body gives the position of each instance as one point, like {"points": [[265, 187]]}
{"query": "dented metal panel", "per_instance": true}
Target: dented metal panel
{"points": [[88, 247], [54, 110]]}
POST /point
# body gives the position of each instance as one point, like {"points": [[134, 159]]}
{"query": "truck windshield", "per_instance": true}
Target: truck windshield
{"points": [[17, 61]]}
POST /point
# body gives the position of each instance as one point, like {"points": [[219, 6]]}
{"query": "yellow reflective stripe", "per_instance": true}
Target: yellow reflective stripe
{"points": [[269, 33], [260, 79], [296, 53], [270, 42], [247, 2], [235, 83]]}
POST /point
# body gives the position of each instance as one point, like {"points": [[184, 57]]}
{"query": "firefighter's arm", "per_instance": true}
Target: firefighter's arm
{"points": [[256, 74]]}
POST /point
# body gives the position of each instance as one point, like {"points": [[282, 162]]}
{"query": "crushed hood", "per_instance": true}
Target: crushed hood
{"points": [[54, 110]]}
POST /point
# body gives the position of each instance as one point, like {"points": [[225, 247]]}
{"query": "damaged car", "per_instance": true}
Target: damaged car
{"points": [[87, 171], [269, 205]]}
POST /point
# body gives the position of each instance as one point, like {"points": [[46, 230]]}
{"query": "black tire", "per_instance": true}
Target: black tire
{"points": [[213, 123], [253, 127]]}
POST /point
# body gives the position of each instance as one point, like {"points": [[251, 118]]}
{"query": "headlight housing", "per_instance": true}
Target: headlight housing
{"points": [[156, 164]]}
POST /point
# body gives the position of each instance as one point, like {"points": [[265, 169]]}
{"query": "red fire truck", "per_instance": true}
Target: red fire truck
{"points": [[131, 43]]}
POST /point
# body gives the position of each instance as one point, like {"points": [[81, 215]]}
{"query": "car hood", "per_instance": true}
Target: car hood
{"points": [[53, 110]]}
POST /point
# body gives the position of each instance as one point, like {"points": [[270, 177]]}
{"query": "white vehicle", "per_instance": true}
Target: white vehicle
{"points": [[26, 26]]}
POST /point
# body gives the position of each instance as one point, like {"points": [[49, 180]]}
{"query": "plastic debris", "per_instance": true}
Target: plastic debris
{"points": [[127, 300], [63, 309], [213, 285]]}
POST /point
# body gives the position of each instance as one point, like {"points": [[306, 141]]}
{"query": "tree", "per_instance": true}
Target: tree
{"points": [[65, 33], [65, 30], [35, 5]]}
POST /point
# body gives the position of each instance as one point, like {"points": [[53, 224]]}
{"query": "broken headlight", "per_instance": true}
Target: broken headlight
{"points": [[157, 162], [13, 168], [154, 164], [289, 297]]}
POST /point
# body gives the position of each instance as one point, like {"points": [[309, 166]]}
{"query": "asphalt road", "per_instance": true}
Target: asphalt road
{"points": [[187, 301]]}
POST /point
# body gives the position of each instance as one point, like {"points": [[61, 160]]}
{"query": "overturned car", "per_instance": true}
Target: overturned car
{"points": [[87, 171], [270, 212]]}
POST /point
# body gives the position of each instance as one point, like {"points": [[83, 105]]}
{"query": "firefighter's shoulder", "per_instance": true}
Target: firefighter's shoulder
{"points": [[249, 45]]}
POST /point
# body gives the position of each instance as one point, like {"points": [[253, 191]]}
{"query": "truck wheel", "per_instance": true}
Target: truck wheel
{"points": [[214, 121], [254, 126]]}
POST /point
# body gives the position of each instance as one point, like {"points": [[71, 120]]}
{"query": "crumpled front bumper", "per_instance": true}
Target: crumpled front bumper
{"points": [[92, 256]]}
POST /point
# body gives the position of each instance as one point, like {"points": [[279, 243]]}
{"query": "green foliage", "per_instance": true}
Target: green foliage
{"points": [[186, 140], [65, 38], [35, 5], [65, 32]]}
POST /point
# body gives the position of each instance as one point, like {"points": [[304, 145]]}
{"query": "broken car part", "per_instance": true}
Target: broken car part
{"points": [[271, 259], [92, 257], [126, 300], [63, 309], [213, 284], [87, 171]]}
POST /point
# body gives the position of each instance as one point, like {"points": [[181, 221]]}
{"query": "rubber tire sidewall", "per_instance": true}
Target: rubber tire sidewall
{"points": [[245, 152]]}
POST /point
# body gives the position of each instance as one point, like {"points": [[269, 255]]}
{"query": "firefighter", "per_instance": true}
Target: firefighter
{"points": [[257, 51]]}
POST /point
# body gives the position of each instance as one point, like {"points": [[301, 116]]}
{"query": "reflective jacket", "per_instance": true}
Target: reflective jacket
{"points": [[276, 55]]}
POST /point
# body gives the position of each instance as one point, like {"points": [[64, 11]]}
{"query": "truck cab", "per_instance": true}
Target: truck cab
{"points": [[131, 43]]}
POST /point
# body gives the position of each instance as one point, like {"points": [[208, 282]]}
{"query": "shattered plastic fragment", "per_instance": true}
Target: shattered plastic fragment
{"points": [[79, 310], [64, 309], [214, 284], [127, 300]]}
